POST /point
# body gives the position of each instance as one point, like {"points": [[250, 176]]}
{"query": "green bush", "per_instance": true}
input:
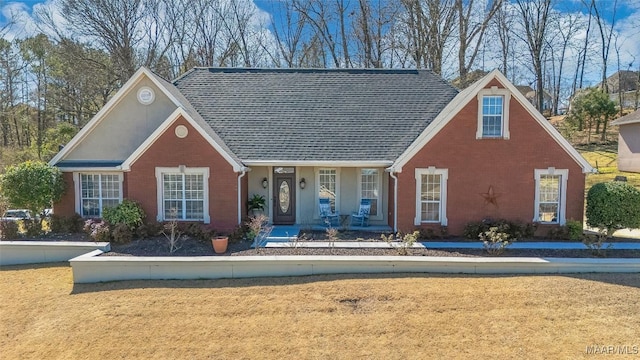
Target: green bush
{"points": [[496, 239], [515, 230], [128, 212], [574, 229], [8, 230], [121, 234], [613, 205], [66, 224]]}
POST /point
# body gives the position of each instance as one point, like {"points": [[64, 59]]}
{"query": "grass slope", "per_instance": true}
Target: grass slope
{"points": [[43, 316]]}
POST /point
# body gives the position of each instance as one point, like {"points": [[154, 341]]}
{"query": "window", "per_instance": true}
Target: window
{"points": [[328, 186], [431, 196], [492, 116], [493, 113], [97, 191], [370, 188], [550, 195], [183, 194]]}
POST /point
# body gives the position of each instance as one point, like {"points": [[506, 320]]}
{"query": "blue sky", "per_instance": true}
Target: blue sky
{"points": [[627, 26]]}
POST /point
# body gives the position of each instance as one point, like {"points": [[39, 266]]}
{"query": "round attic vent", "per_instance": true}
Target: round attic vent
{"points": [[182, 131], [146, 95]]}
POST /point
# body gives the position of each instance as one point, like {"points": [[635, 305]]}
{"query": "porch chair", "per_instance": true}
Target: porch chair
{"points": [[362, 216], [326, 214]]}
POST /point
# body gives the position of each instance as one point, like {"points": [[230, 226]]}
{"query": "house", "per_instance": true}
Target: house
{"points": [[623, 88], [629, 142], [424, 154]]}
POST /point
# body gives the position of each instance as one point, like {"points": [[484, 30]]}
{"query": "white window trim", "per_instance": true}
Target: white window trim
{"points": [[77, 184], [183, 170], [431, 170], [379, 198], [564, 173], [317, 190], [495, 91]]}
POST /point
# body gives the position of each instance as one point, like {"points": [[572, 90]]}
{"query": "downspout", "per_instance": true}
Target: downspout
{"points": [[242, 174], [395, 201]]}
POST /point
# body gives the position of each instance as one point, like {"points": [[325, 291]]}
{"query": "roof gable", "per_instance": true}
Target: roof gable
{"points": [[136, 131], [632, 118], [178, 114], [469, 94]]}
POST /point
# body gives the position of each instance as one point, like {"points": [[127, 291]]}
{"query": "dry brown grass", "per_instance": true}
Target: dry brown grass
{"points": [[44, 316]]}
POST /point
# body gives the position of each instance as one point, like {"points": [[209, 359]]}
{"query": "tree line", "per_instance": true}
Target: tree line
{"points": [[53, 82]]}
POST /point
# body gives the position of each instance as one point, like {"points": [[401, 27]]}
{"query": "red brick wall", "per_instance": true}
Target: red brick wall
{"points": [[66, 206], [170, 151], [474, 165], [192, 151]]}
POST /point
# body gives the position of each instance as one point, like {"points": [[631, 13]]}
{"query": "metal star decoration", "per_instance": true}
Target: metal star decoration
{"points": [[491, 197]]}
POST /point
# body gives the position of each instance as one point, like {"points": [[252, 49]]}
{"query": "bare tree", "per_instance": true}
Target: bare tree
{"points": [[534, 16], [471, 30], [373, 27], [605, 37], [114, 24], [288, 33], [565, 28], [430, 28], [502, 23]]}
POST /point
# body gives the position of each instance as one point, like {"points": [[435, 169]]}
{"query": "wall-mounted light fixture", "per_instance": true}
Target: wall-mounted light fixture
{"points": [[265, 183], [303, 183]]}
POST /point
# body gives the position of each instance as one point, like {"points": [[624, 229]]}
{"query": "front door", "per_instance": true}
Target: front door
{"points": [[284, 182]]}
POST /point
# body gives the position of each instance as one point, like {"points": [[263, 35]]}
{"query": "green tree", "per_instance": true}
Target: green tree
{"points": [[55, 137], [613, 205], [32, 185], [592, 108]]}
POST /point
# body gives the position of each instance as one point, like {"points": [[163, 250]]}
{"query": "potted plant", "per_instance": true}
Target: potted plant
{"points": [[256, 204], [220, 244]]}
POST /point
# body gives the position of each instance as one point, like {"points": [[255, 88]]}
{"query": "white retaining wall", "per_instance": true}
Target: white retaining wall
{"points": [[91, 268], [33, 252]]}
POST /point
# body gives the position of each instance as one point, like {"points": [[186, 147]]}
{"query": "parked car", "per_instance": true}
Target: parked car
{"points": [[15, 215]]}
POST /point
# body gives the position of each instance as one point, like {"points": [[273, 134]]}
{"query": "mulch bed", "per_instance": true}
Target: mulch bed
{"points": [[159, 246]]}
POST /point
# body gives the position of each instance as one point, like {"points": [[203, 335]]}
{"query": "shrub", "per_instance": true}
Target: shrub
{"points": [[515, 230], [574, 229], [8, 230], [128, 212], [149, 229], [613, 205], [596, 243], [32, 228], [240, 233], [121, 234], [404, 243], [98, 230], [66, 224], [496, 239]]}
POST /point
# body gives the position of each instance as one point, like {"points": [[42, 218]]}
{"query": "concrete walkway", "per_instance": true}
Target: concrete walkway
{"points": [[445, 245]]}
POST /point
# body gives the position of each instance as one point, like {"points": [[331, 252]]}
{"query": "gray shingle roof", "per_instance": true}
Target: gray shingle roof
{"points": [[313, 114]]}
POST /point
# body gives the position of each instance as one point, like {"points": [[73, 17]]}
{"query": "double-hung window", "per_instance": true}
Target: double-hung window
{"points": [[327, 180], [550, 195], [492, 107], [493, 113], [183, 194], [97, 191], [431, 196], [370, 188]]}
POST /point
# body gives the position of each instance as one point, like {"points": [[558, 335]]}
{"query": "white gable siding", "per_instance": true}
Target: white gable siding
{"points": [[125, 127]]}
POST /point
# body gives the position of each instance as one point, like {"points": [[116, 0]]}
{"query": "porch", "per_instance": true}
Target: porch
{"points": [[286, 233]]}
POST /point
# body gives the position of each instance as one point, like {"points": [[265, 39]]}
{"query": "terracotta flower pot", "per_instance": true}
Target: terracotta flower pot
{"points": [[220, 244]]}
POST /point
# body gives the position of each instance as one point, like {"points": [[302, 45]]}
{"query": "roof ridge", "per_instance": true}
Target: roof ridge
{"points": [[307, 70]]}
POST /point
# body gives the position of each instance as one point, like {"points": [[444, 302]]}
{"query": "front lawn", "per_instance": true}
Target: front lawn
{"points": [[317, 317], [605, 159]]}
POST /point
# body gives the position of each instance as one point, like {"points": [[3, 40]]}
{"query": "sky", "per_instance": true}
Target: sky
{"points": [[627, 26]]}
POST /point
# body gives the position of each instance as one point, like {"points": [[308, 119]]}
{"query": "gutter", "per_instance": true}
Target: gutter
{"points": [[395, 200], [243, 172]]}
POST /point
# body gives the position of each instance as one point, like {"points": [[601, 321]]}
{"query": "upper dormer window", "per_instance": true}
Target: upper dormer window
{"points": [[493, 113]]}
